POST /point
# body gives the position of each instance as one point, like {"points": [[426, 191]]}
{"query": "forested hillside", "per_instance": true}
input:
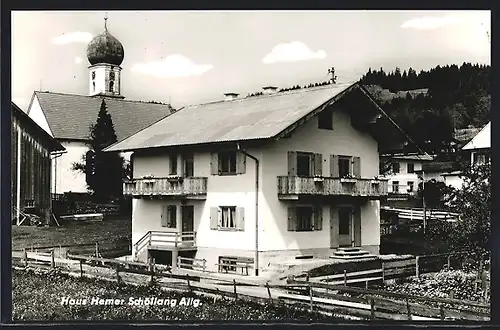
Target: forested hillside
{"points": [[431, 105]]}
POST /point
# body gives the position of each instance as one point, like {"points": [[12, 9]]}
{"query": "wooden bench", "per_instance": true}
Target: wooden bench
{"points": [[227, 262]]}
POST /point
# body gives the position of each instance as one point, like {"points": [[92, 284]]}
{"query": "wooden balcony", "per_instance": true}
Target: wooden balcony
{"points": [[161, 240], [292, 186], [195, 187]]}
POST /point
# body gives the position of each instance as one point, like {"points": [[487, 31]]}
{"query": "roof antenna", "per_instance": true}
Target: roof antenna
{"points": [[106, 22]]}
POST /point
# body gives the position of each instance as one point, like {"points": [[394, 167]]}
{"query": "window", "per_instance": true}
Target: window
{"points": [[344, 166], [395, 167], [228, 217], [325, 119], [344, 221], [410, 186], [169, 217], [93, 75], [303, 164], [93, 86], [112, 75], [188, 166], [304, 218], [173, 164], [227, 162], [111, 86], [395, 186], [410, 168]]}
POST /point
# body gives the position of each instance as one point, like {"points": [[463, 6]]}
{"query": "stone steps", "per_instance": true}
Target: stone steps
{"points": [[352, 253]]}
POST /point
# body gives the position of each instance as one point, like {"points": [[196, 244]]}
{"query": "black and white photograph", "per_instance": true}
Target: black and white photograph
{"points": [[298, 166]]}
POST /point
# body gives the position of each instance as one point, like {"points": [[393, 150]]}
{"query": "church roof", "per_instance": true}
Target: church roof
{"points": [[70, 115]]}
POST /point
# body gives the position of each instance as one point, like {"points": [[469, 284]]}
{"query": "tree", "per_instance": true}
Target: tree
{"points": [[104, 171], [473, 203]]}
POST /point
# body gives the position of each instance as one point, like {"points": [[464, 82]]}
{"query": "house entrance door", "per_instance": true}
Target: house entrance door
{"points": [[345, 226], [187, 220]]}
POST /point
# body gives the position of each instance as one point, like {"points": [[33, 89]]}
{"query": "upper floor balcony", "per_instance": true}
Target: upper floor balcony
{"points": [[191, 187], [293, 186]]}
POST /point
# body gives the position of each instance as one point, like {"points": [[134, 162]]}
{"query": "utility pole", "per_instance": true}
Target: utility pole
{"points": [[423, 201]]}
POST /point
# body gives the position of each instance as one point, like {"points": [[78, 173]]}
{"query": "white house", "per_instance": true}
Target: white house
{"points": [[266, 177], [405, 172], [479, 146], [68, 117]]}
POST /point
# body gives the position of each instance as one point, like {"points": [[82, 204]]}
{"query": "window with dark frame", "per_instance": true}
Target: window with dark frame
{"points": [[304, 164], [344, 166], [344, 221], [227, 162], [410, 186], [171, 221], [395, 167], [410, 168], [395, 186], [305, 218], [228, 220], [325, 120], [173, 164]]}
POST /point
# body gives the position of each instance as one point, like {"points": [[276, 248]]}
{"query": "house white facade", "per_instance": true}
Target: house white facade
{"points": [[405, 173], [479, 146], [316, 179]]}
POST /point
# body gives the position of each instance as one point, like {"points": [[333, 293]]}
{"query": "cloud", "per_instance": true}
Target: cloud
{"points": [[292, 52], [78, 60], [173, 66], [429, 23], [68, 38]]}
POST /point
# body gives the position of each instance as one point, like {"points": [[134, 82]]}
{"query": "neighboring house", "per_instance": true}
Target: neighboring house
{"points": [[404, 172], [68, 117], [444, 171], [479, 146], [32, 148], [310, 156]]}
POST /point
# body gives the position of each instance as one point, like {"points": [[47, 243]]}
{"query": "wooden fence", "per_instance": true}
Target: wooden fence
{"points": [[320, 297]]}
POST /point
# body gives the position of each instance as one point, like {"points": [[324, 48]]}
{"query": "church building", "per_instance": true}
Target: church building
{"points": [[68, 117]]}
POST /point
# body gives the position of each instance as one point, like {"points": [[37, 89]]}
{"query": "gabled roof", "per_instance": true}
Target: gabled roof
{"points": [[482, 140], [251, 118], [51, 143], [69, 115]]}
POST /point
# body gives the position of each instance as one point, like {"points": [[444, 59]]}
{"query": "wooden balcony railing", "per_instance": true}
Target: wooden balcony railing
{"points": [[159, 239], [174, 186], [326, 186]]}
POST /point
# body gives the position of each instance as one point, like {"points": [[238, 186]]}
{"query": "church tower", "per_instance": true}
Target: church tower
{"points": [[105, 55]]}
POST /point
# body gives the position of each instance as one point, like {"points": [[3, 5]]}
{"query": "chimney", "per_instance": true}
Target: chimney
{"points": [[269, 89], [230, 96]]}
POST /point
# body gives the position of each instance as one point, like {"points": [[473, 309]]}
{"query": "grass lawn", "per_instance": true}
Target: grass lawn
{"points": [[107, 232], [38, 296]]}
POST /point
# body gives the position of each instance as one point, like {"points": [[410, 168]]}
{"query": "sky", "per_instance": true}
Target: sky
{"points": [[190, 57]]}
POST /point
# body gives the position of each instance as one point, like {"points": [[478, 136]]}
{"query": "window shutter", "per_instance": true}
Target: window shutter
{"points": [[318, 164], [172, 220], [357, 226], [241, 163], [240, 218], [318, 218], [292, 219], [214, 164], [356, 168], [214, 218], [164, 214], [292, 163], [334, 166]]}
